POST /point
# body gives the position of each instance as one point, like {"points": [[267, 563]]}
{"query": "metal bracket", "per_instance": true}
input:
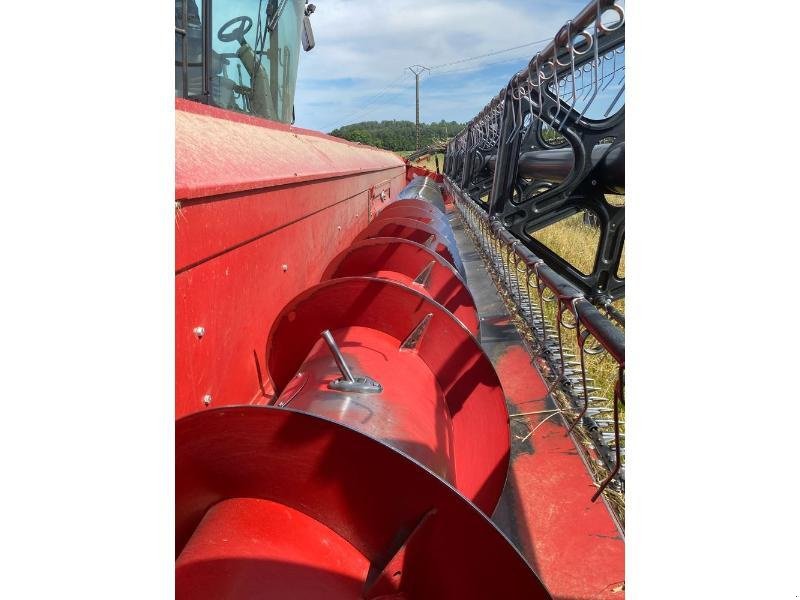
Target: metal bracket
{"points": [[413, 339], [348, 382], [423, 279], [363, 385]]}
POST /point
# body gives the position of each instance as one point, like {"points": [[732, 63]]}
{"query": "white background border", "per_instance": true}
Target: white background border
{"points": [[86, 340]]}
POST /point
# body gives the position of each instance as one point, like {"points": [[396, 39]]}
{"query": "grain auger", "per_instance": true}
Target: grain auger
{"points": [[386, 447]]}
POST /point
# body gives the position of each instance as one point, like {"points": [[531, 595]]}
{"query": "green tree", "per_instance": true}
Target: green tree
{"points": [[398, 136]]}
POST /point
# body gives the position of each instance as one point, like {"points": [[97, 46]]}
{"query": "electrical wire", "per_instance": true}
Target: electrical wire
{"points": [[478, 66], [494, 53], [372, 100], [365, 107]]}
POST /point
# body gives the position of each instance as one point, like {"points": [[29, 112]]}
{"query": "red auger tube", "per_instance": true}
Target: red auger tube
{"points": [[386, 446]]}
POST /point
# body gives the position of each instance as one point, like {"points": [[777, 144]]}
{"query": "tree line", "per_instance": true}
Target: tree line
{"points": [[398, 136]]}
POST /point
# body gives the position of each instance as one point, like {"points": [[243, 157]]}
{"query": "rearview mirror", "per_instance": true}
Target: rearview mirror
{"points": [[307, 34]]}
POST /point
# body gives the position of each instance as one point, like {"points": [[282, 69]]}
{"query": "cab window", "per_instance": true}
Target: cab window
{"points": [[253, 55]]}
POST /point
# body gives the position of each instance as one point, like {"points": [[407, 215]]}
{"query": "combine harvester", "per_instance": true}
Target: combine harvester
{"points": [[376, 396]]}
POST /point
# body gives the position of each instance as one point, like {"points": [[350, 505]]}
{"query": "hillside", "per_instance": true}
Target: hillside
{"points": [[397, 135]]}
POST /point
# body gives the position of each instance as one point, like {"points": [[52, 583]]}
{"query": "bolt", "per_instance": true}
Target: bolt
{"points": [[207, 399], [199, 331], [285, 268], [594, 181]]}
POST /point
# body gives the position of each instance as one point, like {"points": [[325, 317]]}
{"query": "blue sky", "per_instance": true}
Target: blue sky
{"points": [[363, 46]]}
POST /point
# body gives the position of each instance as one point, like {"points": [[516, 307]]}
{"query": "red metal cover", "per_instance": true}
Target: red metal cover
{"points": [[262, 208], [219, 152]]}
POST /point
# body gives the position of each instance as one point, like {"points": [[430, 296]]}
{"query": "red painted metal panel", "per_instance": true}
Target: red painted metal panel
{"points": [[572, 542], [219, 152], [207, 227], [235, 298], [368, 494], [250, 235]]}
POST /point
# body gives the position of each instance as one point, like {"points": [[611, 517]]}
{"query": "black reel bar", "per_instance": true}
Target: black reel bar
{"points": [[552, 144]]}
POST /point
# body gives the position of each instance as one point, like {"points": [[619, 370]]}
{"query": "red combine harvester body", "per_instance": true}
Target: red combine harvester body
{"points": [[261, 210], [342, 411]]}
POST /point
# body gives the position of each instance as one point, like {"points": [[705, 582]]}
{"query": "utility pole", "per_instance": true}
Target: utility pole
{"points": [[417, 70]]}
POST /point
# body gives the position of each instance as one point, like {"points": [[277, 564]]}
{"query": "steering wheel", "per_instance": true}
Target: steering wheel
{"points": [[237, 34]]}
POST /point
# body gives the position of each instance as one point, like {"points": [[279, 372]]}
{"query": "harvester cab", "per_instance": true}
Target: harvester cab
{"points": [[241, 56]]}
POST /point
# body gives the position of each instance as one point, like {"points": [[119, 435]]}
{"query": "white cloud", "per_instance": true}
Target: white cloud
{"points": [[363, 45]]}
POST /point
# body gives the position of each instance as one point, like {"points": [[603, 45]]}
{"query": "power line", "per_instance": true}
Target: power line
{"points": [[372, 100], [478, 66], [365, 109], [363, 113], [494, 53]]}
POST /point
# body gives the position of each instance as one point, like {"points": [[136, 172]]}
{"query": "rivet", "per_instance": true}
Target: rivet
{"points": [[207, 399], [199, 331], [285, 268]]}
